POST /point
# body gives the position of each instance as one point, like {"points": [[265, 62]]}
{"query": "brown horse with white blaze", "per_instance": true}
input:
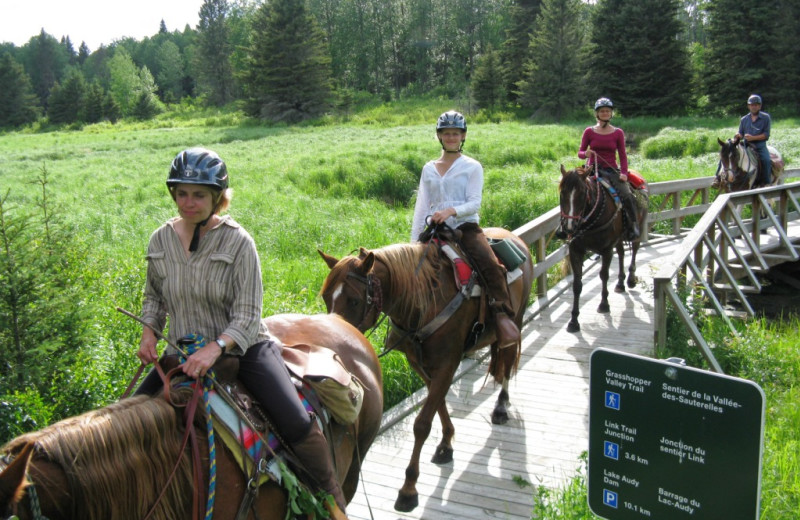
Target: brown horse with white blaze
{"points": [[114, 462], [593, 222], [412, 284]]}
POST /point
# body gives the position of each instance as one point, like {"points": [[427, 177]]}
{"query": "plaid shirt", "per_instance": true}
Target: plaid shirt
{"points": [[216, 289]]}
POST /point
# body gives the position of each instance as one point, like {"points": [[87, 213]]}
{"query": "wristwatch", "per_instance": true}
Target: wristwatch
{"points": [[222, 344]]}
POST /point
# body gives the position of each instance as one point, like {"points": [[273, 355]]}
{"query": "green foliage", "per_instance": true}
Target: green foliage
{"points": [[514, 51], [67, 103], [18, 103], [486, 90], [300, 501], [288, 74], [215, 76], [637, 59], [553, 84], [566, 503], [673, 142]]}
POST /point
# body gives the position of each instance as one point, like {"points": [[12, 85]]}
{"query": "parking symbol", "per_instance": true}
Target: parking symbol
{"points": [[609, 498], [611, 450], [612, 400]]}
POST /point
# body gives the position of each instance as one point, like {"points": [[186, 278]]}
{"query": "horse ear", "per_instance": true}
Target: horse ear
{"points": [[12, 479], [720, 141], [331, 261], [365, 266], [563, 171]]}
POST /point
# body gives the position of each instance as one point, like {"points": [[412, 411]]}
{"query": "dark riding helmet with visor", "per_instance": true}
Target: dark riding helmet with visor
{"points": [[198, 166], [604, 102], [754, 99], [201, 167], [452, 119]]}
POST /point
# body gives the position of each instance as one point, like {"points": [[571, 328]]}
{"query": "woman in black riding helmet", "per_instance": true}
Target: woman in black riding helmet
{"points": [[203, 272], [450, 190]]}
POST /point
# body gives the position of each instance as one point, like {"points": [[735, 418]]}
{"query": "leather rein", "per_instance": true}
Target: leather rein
{"points": [[587, 220]]}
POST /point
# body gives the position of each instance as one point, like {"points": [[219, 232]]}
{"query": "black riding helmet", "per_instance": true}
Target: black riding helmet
{"points": [[203, 167], [198, 166], [452, 119]]}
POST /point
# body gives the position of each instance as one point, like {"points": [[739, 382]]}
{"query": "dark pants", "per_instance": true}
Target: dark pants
{"points": [[477, 248], [766, 165], [264, 374]]}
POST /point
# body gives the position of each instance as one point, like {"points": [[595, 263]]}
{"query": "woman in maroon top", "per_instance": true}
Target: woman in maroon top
{"points": [[600, 146]]}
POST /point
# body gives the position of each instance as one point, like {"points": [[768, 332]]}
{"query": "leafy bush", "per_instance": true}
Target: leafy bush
{"points": [[671, 142]]}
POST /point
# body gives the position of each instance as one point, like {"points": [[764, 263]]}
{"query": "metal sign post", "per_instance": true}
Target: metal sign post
{"points": [[673, 442]]}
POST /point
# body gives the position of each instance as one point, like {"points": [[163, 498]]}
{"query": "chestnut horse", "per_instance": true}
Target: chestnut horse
{"points": [[739, 168], [412, 284], [113, 463], [593, 223]]}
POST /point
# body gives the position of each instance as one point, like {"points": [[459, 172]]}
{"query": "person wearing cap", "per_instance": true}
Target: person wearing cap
{"points": [[600, 146], [204, 273], [450, 191], [754, 128]]}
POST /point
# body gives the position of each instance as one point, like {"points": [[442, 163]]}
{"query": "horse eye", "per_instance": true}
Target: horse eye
{"points": [[352, 302]]}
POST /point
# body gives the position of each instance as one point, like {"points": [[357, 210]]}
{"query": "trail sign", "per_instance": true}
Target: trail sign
{"points": [[672, 442]]}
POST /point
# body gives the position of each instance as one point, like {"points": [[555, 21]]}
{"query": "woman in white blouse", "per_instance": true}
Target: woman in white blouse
{"points": [[450, 190]]}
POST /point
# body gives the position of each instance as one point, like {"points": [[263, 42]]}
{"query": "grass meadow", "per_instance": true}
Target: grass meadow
{"points": [[347, 181]]}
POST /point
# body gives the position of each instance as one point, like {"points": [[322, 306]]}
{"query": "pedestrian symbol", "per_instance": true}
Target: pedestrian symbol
{"points": [[612, 400], [611, 450]]}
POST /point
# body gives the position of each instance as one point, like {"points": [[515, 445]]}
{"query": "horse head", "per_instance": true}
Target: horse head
{"points": [[13, 481], [352, 290], [736, 171], [574, 197]]}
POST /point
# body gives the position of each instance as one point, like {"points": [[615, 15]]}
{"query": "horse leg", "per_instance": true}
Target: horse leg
{"points": [[606, 263], [620, 288], [506, 361], [632, 269], [576, 261], [407, 497], [444, 451]]}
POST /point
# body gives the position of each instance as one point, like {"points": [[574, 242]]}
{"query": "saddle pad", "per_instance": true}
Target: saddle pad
{"points": [[236, 434], [511, 277]]}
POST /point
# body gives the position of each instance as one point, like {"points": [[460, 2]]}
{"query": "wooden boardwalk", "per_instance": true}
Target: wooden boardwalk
{"points": [[548, 430]]}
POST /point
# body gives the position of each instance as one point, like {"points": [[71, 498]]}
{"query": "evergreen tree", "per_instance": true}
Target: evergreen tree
{"points": [[94, 103], [514, 53], [215, 74], [146, 104], [785, 63], [487, 87], [637, 58], [553, 82], [18, 103], [288, 78], [83, 53], [111, 109], [68, 101], [740, 57], [44, 61]]}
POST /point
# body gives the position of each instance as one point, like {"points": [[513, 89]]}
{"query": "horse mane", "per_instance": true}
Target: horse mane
{"points": [[414, 277], [117, 459]]}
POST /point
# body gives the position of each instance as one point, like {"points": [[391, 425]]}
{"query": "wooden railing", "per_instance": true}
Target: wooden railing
{"points": [[704, 253]]}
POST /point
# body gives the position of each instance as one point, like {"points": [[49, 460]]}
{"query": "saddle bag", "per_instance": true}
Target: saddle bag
{"points": [[508, 252], [321, 368]]}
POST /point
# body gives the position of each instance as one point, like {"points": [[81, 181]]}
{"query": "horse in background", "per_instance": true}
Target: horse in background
{"points": [[412, 284], [740, 169], [593, 223], [114, 462]]}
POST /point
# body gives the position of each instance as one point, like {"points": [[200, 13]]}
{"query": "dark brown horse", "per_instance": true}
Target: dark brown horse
{"points": [[593, 223], [112, 463], [739, 168], [412, 284]]}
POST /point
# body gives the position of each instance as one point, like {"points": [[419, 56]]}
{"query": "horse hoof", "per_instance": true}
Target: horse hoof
{"points": [[404, 503], [603, 308], [619, 288], [443, 455], [499, 417], [573, 327], [632, 283]]}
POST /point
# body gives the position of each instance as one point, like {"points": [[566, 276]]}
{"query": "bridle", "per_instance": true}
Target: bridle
{"points": [[34, 507], [730, 164], [585, 219], [373, 296]]}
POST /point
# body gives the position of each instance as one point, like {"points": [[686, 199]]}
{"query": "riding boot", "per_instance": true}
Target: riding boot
{"points": [[632, 231], [507, 331], [315, 457]]}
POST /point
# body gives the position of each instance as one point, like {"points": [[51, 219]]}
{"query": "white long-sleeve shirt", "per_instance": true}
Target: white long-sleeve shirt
{"points": [[459, 188]]}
